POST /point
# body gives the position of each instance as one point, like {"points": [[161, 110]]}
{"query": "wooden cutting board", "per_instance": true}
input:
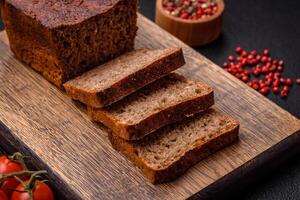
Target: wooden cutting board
{"points": [[40, 120]]}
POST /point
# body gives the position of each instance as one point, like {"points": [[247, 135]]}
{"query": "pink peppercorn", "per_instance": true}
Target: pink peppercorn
{"points": [[266, 52], [267, 70], [275, 90], [231, 58], [289, 81], [238, 50]]}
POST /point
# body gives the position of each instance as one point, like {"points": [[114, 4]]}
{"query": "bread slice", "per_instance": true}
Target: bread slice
{"points": [[170, 151], [120, 77], [165, 101]]}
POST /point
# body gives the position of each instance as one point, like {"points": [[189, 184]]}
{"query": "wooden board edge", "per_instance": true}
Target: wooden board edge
{"points": [[10, 145], [253, 170]]}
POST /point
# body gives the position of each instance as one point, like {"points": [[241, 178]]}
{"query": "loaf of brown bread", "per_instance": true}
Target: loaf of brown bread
{"points": [[62, 39], [169, 152], [121, 76], [165, 101]]}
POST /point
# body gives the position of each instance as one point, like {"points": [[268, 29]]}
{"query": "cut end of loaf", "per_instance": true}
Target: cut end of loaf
{"points": [[170, 151], [50, 41]]}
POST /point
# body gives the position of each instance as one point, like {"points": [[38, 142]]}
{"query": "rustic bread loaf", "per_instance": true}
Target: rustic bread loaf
{"points": [[165, 101], [120, 77], [62, 39], [169, 152]]}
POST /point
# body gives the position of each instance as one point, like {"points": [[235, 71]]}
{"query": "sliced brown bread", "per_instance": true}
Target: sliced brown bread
{"points": [[170, 151], [120, 77], [165, 101]]}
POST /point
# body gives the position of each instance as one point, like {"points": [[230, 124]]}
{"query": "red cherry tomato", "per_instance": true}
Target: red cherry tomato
{"points": [[41, 191], [7, 166], [3, 196]]}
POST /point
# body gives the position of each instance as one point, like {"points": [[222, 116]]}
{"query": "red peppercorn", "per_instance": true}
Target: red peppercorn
{"points": [[269, 59], [238, 50], [239, 58], [276, 83], [264, 59], [279, 68], [244, 53], [225, 65], [238, 75], [246, 72], [244, 62], [254, 52], [255, 86], [262, 84], [289, 81], [258, 57], [280, 62], [272, 68], [265, 69], [277, 74], [246, 65], [282, 80], [268, 82], [231, 58], [276, 90], [256, 72], [264, 90], [275, 62], [283, 93], [285, 88], [250, 57], [266, 52], [245, 78]]}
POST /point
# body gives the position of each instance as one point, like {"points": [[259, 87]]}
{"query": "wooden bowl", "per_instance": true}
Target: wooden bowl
{"points": [[193, 32]]}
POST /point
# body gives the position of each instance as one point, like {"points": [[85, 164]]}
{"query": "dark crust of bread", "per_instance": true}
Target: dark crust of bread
{"points": [[52, 13], [128, 85], [183, 164], [62, 52], [170, 115]]}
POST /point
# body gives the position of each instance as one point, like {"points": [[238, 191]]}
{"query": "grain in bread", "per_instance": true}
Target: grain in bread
{"points": [[121, 76], [62, 39], [169, 152], [165, 101]]}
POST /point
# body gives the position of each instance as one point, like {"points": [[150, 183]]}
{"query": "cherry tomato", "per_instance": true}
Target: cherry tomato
{"points": [[3, 196], [41, 191], [7, 166]]}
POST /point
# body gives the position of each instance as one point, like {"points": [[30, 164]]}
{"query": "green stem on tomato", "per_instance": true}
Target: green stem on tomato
{"points": [[21, 181], [21, 173], [19, 158]]}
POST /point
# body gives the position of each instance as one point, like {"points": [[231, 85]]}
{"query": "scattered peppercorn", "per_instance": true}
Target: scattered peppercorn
{"points": [[267, 70], [190, 9]]}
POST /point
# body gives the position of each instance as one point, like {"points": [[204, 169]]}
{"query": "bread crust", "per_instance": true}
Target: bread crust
{"points": [[159, 119], [177, 168], [129, 84]]}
